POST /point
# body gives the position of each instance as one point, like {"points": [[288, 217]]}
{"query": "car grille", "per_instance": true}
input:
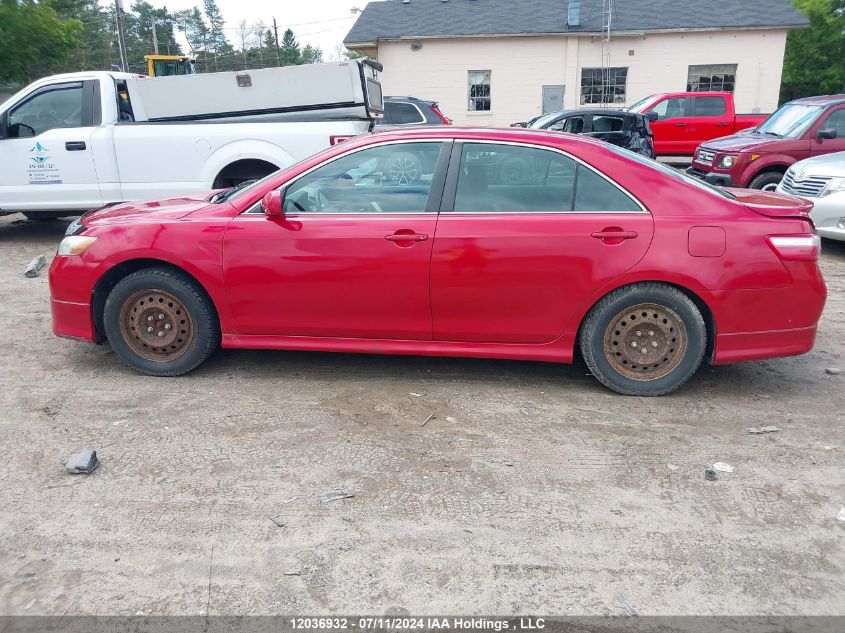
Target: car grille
{"points": [[801, 185], [705, 156]]}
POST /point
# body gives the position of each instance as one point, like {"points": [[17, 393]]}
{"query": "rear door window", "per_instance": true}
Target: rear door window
{"points": [[403, 113], [511, 178], [709, 106]]}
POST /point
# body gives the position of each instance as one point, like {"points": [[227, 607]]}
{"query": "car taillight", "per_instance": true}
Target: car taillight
{"points": [[440, 116], [796, 248]]}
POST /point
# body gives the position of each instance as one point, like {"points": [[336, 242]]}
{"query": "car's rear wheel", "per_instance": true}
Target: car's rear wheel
{"points": [[161, 322], [644, 340]]}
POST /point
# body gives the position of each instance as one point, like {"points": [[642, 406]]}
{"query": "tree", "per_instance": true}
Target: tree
{"points": [[311, 55], [814, 62], [216, 36], [34, 40], [289, 52]]}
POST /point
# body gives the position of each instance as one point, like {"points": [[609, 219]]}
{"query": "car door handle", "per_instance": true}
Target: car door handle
{"points": [[614, 235], [680, 124], [75, 146], [721, 125], [406, 237]]}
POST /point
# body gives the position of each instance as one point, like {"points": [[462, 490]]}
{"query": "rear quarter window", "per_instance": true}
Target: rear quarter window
{"points": [[403, 113]]}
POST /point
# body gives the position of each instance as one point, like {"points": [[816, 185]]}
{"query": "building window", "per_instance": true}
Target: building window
{"points": [[603, 85], [479, 90], [711, 77]]}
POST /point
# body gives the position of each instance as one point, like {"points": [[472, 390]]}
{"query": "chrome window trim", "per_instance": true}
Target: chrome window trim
{"points": [[580, 162], [441, 141]]}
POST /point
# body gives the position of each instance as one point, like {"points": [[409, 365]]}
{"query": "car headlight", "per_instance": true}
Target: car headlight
{"points": [[834, 186], [75, 245], [726, 162]]}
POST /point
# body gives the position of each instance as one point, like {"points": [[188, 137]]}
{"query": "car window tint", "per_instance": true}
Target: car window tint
{"points": [[573, 125], [403, 113], [607, 123], [595, 193], [836, 121], [709, 106], [386, 179], [46, 111], [513, 178], [671, 108]]}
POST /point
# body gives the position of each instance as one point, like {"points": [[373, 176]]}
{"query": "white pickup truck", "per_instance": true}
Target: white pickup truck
{"points": [[74, 142]]}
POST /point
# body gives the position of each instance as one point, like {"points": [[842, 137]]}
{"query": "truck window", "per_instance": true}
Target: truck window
{"points": [[836, 121], [673, 108], [709, 106], [53, 108]]}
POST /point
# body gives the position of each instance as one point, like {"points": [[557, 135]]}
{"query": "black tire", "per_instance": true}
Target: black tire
{"points": [[767, 181], [188, 295], [45, 216], [598, 341]]}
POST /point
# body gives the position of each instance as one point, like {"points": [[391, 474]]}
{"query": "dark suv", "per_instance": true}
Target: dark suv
{"points": [[407, 111]]}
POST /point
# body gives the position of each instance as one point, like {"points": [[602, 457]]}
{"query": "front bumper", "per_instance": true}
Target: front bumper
{"points": [[828, 216], [72, 320], [71, 289], [720, 180]]}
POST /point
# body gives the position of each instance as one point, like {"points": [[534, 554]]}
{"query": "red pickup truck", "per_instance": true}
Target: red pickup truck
{"points": [[759, 158], [681, 121]]}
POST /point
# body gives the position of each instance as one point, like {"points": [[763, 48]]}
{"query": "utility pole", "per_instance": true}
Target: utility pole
{"points": [[278, 50], [155, 36], [121, 43]]}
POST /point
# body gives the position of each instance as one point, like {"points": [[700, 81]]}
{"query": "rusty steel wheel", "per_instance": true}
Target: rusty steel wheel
{"points": [[156, 325], [645, 341]]}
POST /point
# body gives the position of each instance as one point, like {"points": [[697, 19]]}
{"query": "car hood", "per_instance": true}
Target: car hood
{"points": [[741, 142], [832, 165], [171, 209]]}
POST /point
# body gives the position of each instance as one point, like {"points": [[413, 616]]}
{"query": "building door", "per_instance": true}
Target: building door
{"points": [[552, 98]]}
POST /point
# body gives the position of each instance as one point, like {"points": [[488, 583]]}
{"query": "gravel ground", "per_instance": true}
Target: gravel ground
{"points": [[531, 490]]}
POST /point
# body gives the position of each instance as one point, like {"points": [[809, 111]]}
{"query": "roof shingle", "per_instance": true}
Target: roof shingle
{"points": [[393, 19]]}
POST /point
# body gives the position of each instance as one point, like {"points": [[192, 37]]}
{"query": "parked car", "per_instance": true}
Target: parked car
{"points": [[822, 180], [645, 271], [624, 129], [681, 121], [73, 142], [407, 111], [759, 158]]}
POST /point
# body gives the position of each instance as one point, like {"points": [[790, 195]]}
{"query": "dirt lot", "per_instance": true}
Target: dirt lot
{"points": [[533, 489]]}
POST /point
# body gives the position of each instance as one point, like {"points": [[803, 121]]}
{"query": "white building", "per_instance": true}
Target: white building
{"points": [[495, 62]]}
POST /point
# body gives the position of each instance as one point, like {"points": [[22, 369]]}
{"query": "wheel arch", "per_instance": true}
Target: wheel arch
{"points": [[776, 164], [700, 303], [244, 150], [116, 273]]}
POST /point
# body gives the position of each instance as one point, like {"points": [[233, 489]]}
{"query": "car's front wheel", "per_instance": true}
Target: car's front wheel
{"points": [[161, 322], [647, 339]]}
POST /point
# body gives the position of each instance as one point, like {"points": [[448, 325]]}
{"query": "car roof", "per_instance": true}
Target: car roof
{"points": [[510, 134], [821, 100], [593, 111]]}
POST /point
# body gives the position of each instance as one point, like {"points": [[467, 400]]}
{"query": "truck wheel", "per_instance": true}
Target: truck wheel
{"points": [[644, 340], [767, 181], [161, 322]]}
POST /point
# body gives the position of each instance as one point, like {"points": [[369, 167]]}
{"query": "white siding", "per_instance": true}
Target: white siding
{"points": [[522, 65]]}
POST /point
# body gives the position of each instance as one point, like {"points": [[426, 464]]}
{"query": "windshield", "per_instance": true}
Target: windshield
{"points": [[790, 121], [541, 122], [640, 105], [674, 173]]}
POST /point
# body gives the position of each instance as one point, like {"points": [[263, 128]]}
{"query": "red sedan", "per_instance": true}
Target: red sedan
{"points": [[514, 243]]}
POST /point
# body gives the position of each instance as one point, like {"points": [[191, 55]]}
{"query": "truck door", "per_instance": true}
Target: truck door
{"points": [[710, 119], [670, 128], [45, 150]]}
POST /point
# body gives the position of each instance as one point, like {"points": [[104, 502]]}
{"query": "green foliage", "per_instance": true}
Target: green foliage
{"points": [[34, 39], [43, 37], [814, 63]]}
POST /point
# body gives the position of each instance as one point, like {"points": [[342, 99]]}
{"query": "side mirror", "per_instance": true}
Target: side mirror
{"points": [[653, 116], [827, 133], [272, 203]]}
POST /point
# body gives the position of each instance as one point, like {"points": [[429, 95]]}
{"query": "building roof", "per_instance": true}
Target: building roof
{"points": [[395, 19]]}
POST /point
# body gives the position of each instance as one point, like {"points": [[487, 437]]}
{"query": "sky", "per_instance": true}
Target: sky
{"points": [[321, 23]]}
